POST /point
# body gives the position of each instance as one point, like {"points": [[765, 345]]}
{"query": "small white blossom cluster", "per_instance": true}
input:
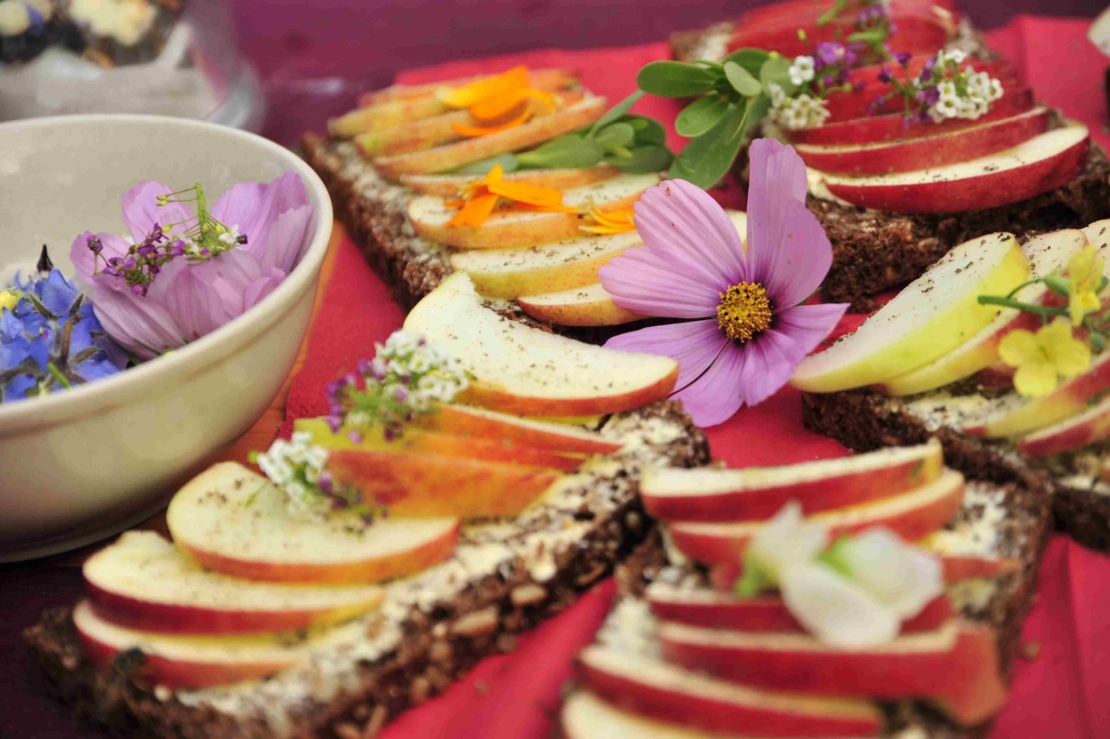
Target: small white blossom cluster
{"points": [[298, 467], [797, 113], [231, 235], [802, 70], [966, 94]]}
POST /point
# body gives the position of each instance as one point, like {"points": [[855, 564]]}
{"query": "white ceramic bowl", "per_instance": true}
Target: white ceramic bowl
{"points": [[82, 464]]}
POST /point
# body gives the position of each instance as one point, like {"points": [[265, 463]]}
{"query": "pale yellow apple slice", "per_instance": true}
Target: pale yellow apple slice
{"points": [[532, 133], [932, 316], [579, 306], [520, 369], [144, 582], [449, 185], [585, 716], [233, 521], [389, 114], [550, 435], [512, 227], [1047, 254], [197, 661]]}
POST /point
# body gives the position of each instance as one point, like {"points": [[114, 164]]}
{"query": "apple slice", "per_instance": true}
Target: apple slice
{"points": [[891, 127], [192, 661], [428, 485], [930, 152], [233, 521], [511, 227], [449, 185], [1047, 254], [422, 441], [956, 665], [717, 610], [1038, 165], [551, 79], [756, 493], [651, 687], [144, 582], [585, 716], [453, 156], [521, 369], [919, 30], [579, 306], [1071, 434], [1069, 399], [912, 516], [389, 114], [477, 422], [933, 315]]}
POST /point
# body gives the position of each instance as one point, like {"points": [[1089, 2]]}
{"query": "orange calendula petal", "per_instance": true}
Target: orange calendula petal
{"points": [[610, 222], [475, 131], [467, 95], [475, 212], [547, 208], [498, 106], [522, 192], [454, 203]]}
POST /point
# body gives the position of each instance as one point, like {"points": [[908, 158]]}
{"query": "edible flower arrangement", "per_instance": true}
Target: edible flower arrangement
{"points": [[180, 275]]}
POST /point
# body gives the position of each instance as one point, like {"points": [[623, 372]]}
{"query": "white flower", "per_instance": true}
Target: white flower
{"points": [[778, 97], [943, 109], [786, 541], [802, 70], [903, 578], [835, 610], [947, 90], [231, 236], [956, 55]]}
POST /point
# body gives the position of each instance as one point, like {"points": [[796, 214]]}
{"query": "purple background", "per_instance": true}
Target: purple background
{"points": [[315, 57]]}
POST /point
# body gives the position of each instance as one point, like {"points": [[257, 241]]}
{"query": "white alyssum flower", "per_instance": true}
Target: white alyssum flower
{"points": [[802, 70], [797, 113], [295, 466], [231, 236]]}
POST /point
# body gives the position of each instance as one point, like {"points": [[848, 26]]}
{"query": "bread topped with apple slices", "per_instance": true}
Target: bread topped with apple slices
{"points": [[412, 172], [740, 639], [959, 380]]}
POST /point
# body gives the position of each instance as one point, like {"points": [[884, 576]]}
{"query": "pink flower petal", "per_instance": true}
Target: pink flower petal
{"points": [[141, 210], [262, 287], [778, 178], [144, 327], [770, 359], [716, 395], [642, 281], [693, 344], [801, 258], [191, 302], [686, 223], [85, 262], [809, 325], [255, 206], [285, 241]]}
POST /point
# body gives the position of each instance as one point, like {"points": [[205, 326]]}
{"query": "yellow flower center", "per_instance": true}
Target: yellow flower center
{"points": [[8, 300], [744, 311]]}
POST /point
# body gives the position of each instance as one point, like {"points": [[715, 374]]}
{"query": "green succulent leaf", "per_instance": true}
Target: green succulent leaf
{"points": [[615, 135], [875, 35], [649, 132], [742, 80], [566, 152], [643, 160], [616, 112], [676, 79], [508, 163], [707, 158], [701, 115], [750, 59], [776, 70]]}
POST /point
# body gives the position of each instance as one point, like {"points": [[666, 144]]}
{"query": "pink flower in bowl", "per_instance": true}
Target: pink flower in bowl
{"points": [[742, 325], [184, 274]]}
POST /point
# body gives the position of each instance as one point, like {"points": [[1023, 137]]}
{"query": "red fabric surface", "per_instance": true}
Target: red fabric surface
{"points": [[1060, 693]]}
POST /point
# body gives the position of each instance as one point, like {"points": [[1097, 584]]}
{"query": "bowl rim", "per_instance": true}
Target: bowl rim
{"points": [[130, 385]]}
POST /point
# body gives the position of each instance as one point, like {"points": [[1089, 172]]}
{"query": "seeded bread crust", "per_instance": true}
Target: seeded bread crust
{"points": [[437, 647]]}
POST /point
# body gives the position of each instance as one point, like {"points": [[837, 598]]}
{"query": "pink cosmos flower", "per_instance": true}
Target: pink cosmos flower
{"points": [[744, 328], [173, 281]]}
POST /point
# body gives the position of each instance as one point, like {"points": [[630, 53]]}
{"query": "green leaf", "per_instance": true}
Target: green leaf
{"points": [[776, 70], [873, 36], [615, 135], [648, 130], [706, 159], [742, 80], [508, 163], [644, 160], [616, 112], [701, 115], [750, 59], [565, 152], [676, 79]]}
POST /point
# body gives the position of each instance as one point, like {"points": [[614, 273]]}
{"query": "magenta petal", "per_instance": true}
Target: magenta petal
{"points": [[778, 178], [809, 325], [84, 261], [285, 242], [770, 359], [800, 260], [144, 327], [684, 222], [642, 281], [262, 287], [141, 210], [255, 206], [191, 301], [693, 344], [716, 395]]}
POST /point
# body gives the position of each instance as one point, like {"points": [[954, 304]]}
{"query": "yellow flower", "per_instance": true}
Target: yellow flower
{"points": [[1085, 274], [1042, 358], [8, 300]]}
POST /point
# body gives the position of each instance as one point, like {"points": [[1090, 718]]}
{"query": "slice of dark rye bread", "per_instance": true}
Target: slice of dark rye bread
{"points": [[1003, 515], [505, 576], [862, 419]]}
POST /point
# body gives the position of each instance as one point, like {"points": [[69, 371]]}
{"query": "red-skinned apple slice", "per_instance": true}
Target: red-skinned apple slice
{"points": [[520, 369], [651, 687], [429, 486], [233, 521], [585, 716], [144, 582], [1071, 434], [1040, 164], [449, 185], [579, 306], [930, 152], [478, 422], [1047, 254], [918, 31], [717, 610], [190, 661], [755, 494], [891, 127], [912, 516], [956, 665]]}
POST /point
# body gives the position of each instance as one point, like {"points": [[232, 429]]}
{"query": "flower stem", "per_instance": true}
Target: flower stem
{"points": [[57, 373], [1040, 310]]}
